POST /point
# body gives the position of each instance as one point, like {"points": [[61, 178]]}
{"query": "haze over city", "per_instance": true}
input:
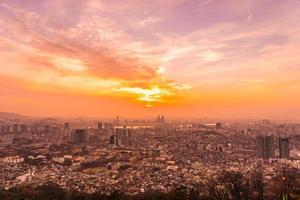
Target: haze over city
{"points": [[150, 100], [183, 58]]}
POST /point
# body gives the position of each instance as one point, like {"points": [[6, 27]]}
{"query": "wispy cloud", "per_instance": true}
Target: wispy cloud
{"points": [[92, 54], [151, 52]]}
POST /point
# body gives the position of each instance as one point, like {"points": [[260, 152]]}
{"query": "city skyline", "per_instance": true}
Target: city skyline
{"points": [[180, 58]]}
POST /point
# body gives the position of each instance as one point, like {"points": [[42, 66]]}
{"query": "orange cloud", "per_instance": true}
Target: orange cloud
{"points": [[236, 58], [81, 59]]}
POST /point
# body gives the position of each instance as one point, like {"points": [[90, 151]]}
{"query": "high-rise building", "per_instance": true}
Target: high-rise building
{"points": [[100, 126], [78, 136], [35, 128], [160, 119], [218, 125], [2, 129], [66, 125], [54, 130], [284, 149], [260, 146], [47, 128], [23, 128], [15, 128], [269, 147], [7, 129], [265, 147], [123, 137], [112, 139], [117, 121], [108, 125]]}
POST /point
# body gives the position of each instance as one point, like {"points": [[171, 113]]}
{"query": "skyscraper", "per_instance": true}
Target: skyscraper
{"points": [[265, 147], [218, 125], [79, 136], [112, 139], [2, 129], [269, 147], [160, 119], [100, 126], [260, 146], [47, 128], [123, 136], [67, 125], [284, 151], [7, 129], [23, 128], [15, 128]]}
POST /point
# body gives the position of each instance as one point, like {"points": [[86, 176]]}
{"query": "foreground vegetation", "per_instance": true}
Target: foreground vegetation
{"points": [[227, 186]]}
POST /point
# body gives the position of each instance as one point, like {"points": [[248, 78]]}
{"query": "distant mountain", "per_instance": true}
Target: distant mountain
{"points": [[8, 115]]}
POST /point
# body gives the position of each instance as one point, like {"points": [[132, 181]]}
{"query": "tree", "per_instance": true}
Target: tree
{"points": [[257, 185]]}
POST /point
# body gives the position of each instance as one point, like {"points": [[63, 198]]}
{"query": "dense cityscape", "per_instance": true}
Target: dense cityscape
{"points": [[136, 156], [149, 100]]}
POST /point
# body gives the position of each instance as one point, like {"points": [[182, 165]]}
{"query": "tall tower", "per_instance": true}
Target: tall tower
{"points": [[265, 147], [269, 146], [284, 151], [79, 136], [23, 128], [260, 146], [2, 129], [67, 125], [100, 126], [218, 125], [15, 128], [47, 128], [162, 119], [7, 129], [158, 119]]}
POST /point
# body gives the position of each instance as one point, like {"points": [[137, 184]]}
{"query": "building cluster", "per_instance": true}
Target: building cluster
{"points": [[267, 147], [140, 155]]}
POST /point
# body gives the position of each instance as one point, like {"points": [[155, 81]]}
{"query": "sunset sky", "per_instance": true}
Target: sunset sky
{"points": [[140, 58]]}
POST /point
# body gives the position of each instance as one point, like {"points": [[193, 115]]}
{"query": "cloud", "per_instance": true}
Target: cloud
{"points": [[150, 52], [148, 21], [210, 56], [69, 64], [94, 55]]}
